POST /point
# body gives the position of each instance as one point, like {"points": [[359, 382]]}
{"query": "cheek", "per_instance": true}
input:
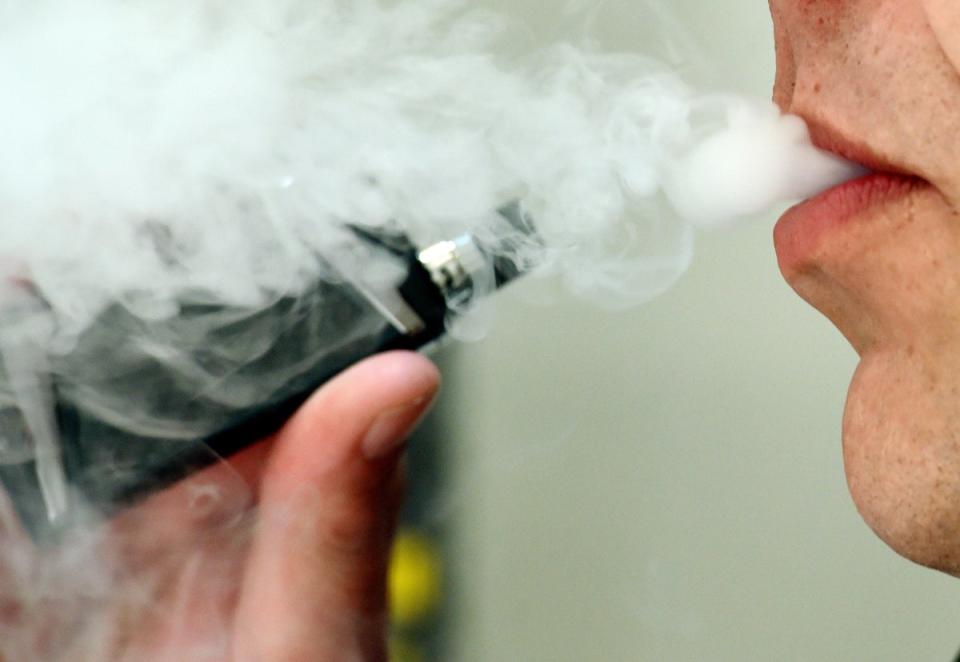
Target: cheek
{"points": [[944, 18]]}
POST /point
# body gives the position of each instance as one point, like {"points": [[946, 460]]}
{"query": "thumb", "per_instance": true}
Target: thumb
{"points": [[315, 581]]}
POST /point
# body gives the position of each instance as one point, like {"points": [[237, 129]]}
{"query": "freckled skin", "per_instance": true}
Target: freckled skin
{"points": [[884, 74]]}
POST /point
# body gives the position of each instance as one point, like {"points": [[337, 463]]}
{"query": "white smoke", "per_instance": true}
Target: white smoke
{"points": [[153, 148], [156, 152]]}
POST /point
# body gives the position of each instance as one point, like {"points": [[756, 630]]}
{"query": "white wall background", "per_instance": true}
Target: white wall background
{"points": [[666, 484]]}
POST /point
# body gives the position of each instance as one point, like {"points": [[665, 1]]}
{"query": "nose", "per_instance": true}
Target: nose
{"points": [[809, 32], [786, 78]]}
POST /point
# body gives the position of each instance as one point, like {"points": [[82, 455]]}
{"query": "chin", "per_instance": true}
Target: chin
{"points": [[901, 444], [889, 279]]}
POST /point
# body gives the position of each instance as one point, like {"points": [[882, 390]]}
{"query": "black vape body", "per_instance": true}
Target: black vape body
{"points": [[139, 405]]}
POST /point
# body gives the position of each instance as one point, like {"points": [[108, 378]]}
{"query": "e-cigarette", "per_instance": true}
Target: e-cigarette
{"points": [[136, 405]]}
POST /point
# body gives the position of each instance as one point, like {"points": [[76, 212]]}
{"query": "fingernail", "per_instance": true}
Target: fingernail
{"points": [[391, 429]]}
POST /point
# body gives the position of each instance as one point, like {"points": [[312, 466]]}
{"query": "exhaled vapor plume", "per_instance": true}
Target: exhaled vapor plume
{"points": [[210, 152], [154, 148]]}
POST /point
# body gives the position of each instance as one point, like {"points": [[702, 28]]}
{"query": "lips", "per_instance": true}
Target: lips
{"points": [[826, 138], [804, 229]]}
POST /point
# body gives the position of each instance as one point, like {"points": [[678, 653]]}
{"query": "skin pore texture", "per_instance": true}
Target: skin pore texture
{"points": [[878, 82]]}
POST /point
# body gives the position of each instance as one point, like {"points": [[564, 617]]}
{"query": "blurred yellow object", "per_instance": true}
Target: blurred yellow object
{"points": [[414, 579]]}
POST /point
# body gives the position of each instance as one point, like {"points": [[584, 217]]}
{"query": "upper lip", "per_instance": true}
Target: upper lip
{"points": [[829, 139]]}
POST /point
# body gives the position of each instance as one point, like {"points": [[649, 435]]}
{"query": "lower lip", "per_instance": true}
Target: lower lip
{"points": [[803, 228]]}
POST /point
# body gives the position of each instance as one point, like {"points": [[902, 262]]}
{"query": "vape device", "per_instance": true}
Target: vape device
{"points": [[136, 405]]}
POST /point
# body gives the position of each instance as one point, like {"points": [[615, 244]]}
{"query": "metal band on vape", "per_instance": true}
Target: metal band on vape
{"points": [[454, 266]]}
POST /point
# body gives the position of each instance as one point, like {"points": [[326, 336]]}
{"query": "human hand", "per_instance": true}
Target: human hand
{"points": [[280, 555]]}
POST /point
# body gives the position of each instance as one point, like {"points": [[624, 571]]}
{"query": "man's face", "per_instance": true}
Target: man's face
{"points": [[878, 82]]}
